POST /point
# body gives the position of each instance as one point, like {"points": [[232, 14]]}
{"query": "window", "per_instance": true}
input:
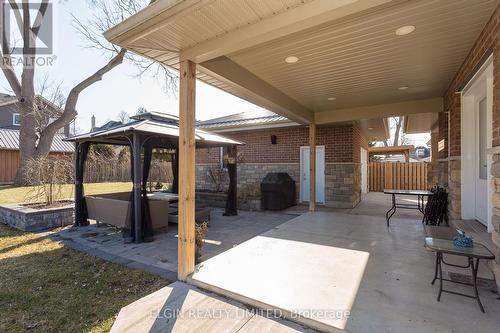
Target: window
{"points": [[16, 119]]}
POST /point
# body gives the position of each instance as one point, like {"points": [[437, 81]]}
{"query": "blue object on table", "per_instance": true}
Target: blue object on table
{"points": [[463, 240]]}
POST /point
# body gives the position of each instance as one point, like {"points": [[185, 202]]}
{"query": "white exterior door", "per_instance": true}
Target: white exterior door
{"points": [[320, 174], [476, 137], [364, 170]]}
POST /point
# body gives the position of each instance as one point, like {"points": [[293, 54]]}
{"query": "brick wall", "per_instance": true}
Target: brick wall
{"points": [[342, 157], [338, 142], [488, 41]]}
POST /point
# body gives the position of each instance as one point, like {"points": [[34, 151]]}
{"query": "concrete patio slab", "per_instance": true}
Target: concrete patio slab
{"points": [[321, 264], [160, 256], [183, 308]]}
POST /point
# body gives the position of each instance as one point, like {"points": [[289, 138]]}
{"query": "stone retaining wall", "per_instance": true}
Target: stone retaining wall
{"points": [[29, 219]]}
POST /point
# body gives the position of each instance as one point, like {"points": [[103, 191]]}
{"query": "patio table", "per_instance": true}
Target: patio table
{"points": [[420, 206], [473, 255], [170, 197]]}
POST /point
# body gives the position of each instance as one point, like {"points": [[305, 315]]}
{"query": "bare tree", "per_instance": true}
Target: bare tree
{"points": [[123, 117], [35, 141], [396, 124], [108, 13], [35, 136]]}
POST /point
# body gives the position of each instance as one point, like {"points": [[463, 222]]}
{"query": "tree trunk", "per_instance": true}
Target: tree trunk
{"points": [[399, 122], [32, 145]]}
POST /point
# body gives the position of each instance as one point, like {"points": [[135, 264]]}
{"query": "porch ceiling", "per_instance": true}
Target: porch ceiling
{"points": [[347, 50]]}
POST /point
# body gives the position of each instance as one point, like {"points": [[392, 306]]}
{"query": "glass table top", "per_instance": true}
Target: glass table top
{"points": [[447, 246]]}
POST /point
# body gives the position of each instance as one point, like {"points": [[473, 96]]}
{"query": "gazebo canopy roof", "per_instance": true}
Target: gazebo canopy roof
{"points": [[162, 128]]}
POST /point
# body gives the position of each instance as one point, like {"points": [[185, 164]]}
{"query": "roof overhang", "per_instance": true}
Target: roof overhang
{"points": [[420, 123], [348, 49]]}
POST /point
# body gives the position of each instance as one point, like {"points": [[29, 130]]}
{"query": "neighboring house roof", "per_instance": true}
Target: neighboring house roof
{"points": [[110, 124], [9, 140], [155, 124], [7, 99], [244, 120]]}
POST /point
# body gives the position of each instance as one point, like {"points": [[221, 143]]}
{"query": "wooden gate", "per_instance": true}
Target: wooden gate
{"points": [[395, 175]]}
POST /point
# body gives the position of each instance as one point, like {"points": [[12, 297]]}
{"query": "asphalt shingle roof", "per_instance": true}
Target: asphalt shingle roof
{"points": [[243, 119]]}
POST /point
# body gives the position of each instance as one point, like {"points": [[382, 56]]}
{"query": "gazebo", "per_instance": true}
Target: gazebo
{"points": [[147, 131]]}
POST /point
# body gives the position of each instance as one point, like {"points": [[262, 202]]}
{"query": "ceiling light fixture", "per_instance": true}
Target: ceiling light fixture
{"points": [[331, 98], [291, 59], [407, 29], [370, 128], [403, 88]]}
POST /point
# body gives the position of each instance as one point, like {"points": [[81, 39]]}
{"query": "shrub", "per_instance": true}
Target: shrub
{"points": [[200, 233], [46, 175]]}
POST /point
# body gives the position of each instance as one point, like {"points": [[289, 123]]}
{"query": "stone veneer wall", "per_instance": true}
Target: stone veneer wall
{"points": [[342, 180], [495, 219], [454, 188], [342, 184]]}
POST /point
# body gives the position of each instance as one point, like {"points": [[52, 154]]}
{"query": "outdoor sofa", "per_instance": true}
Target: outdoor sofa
{"points": [[116, 209]]}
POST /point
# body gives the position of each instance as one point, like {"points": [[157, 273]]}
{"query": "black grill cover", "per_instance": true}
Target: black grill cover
{"points": [[278, 191]]}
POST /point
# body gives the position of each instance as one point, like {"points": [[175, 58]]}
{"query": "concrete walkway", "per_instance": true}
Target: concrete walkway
{"points": [[335, 271], [181, 308]]}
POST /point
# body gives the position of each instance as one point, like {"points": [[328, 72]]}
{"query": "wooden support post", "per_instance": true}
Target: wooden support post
{"points": [[136, 152], [186, 226], [312, 167]]}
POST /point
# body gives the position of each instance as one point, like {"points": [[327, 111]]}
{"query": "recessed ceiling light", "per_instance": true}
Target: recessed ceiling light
{"points": [[407, 29], [331, 98], [291, 59], [370, 128], [403, 88]]}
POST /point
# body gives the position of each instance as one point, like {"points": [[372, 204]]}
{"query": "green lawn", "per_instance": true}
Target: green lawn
{"points": [[46, 287], [14, 194]]}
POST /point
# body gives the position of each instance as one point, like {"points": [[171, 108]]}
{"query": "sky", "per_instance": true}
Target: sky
{"points": [[121, 89]]}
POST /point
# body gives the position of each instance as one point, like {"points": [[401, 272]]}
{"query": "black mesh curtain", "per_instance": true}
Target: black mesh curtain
{"points": [[175, 171], [232, 195], [129, 231], [146, 224], [82, 150]]}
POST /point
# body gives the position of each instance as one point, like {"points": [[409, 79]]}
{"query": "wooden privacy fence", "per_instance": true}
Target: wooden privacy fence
{"points": [[395, 175], [99, 171]]}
